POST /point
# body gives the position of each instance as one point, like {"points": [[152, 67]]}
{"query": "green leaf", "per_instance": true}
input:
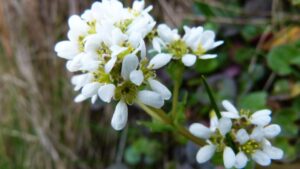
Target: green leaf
{"points": [[253, 101], [282, 58], [250, 32], [132, 156], [244, 54], [281, 86], [290, 152], [286, 118]]}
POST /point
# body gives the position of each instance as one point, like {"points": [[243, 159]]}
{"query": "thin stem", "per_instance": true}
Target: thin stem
{"points": [[160, 115], [175, 97], [211, 97], [177, 78]]}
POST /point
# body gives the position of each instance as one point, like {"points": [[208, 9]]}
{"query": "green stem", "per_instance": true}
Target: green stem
{"points": [[175, 98], [177, 83], [211, 97], [228, 138], [160, 115]]}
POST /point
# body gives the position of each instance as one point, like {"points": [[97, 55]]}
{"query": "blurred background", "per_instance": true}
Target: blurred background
{"points": [[41, 126]]}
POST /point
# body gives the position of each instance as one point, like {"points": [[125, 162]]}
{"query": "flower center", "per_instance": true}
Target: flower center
{"points": [[200, 50], [123, 24], [218, 140], [92, 26], [127, 91], [250, 147], [104, 52], [81, 43], [148, 73], [178, 48], [100, 76]]}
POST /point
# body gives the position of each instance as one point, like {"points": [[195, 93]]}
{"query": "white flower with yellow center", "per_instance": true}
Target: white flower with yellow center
{"points": [[195, 42], [215, 136], [257, 147], [260, 118]]}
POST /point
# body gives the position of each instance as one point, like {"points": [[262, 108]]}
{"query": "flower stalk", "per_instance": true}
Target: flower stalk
{"points": [[160, 115], [177, 83]]}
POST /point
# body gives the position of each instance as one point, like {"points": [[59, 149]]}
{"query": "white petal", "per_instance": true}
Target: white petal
{"points": [[241, 160], [92, 43], [110, 64], [200, 130], [118, 37], [242, 136], [189, 60], [224, 125], [260, 113], [228, 157], [77, 24], [129, 64], [214, 121], [116, 50], [216, 44], [156, 44], [90, 89], [272, 130], [143, 49], [205, 153], [260, 120], [138, 5], [261, 158], [135, 39], [273, 152], [120, 116], [137, 77], [81, 80], [208, 56], [94, 99], [167, 34], [76, 63], [159, 60], [106, 92], [66, 49], [230, 115], [80, 98], [229, 107], [160, 88], [257, 134], [150, 98]]}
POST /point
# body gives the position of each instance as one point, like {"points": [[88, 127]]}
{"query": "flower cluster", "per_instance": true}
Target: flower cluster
{"points": [[106, 50], [249, 132]]}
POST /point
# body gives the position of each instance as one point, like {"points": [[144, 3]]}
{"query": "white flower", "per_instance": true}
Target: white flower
{"points": [[195, 42], [257, 147], [260, 118], [69, 49], [215, 136]]}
